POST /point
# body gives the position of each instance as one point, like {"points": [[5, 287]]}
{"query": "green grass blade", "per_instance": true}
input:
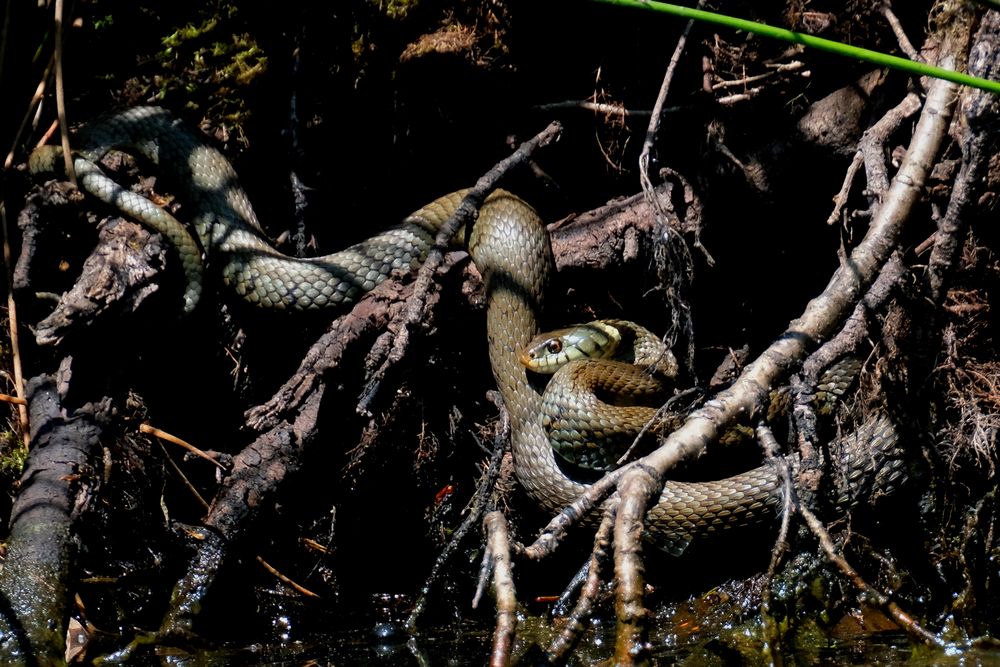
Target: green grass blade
{"points": [[867, 55]]}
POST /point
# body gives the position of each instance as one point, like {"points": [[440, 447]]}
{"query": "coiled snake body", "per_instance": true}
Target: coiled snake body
{"points": [[511, 250]]}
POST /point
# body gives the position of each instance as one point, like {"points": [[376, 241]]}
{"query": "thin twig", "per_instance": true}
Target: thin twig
{"points": [[876, 596], [904, 42], [840, 199], [730, 100], [15, 346], [663, 420], [15, 400], [61, 94], [3, 36], [286, 580], [597, 107], [645, 157], [184, 479], [22, 410], [780, 69], [163, 435], [30, 116]]}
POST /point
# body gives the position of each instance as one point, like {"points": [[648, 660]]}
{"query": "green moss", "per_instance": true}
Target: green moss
{"points": [[189, 33], [209, 63], [13, 454], [396, 9], [103, 22]]}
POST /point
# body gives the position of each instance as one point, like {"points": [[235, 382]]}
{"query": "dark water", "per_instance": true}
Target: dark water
{"points": [[473, 649], [469, 644]]}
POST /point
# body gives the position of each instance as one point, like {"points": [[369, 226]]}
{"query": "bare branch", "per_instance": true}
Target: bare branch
{"points": [[904, 42], [498, 553], [824, 313], [904, 620], [981, 110], [630, 643], [385, 356], [559, 650]]}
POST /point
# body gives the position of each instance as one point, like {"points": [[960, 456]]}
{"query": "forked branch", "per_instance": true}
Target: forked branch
{"points": [[821, 318]]}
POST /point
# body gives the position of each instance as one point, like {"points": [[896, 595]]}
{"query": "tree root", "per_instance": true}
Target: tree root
{"points": [[60, 478], [982, 115], [287, 422], [903, 619], [384, 357], [636, 485], [562, 646], [496, 560]]}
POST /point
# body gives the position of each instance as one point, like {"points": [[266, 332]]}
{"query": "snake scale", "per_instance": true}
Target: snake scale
{"points": [[509, 246], [609, 387]]}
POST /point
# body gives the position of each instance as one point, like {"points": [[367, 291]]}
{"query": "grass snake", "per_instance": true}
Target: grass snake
{"points": [[509, 246]]}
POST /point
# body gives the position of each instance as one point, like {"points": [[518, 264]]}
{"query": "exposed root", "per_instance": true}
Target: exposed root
{"points": [[169, 437], [560, 649], [875, 596], [384, 357], [790, 502], [497, 560], [637, 485], [982, 113], [481, 500]]}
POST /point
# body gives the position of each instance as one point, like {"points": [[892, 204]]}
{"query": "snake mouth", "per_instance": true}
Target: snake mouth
{"points": [[527, 360]]}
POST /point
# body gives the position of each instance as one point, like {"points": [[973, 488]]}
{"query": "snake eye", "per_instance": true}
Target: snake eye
{"points": [[553, 346]]}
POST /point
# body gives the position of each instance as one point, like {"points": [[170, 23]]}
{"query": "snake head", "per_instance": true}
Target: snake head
{"points": [[544, 354], [548, 352]]}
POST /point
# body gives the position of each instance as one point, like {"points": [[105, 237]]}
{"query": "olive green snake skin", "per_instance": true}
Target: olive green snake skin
{"points": [[609, 377], [225, 223], [610, 381], [510, 248]]}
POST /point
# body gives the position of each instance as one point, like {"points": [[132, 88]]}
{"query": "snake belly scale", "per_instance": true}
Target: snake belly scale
{"points": [[510, 247]]}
